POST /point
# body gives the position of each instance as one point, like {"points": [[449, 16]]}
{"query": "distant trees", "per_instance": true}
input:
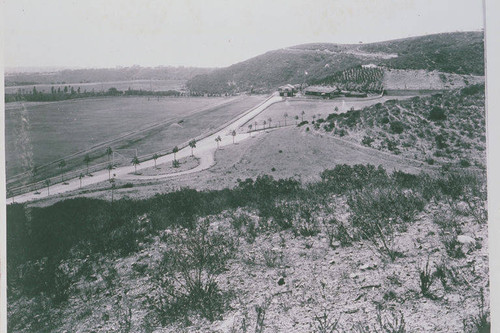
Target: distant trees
{"points": [[61, 166], [217, 140], [296, 119], [86, 160], [269, 120], [250, 129], [135, 161], [264, 123], [192, 144], [233, 133]]}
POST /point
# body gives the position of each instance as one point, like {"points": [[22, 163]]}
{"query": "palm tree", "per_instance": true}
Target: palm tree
{"points": [[296, 119], [233, 133], [61, 166], [192, 144], [80, 177], [218, 139], [270, 120], [285, 116], [175, 150], [109, 152], [135, 161], [112, 182], [155, 157], [264, 124], [34, 171], [250, 129], [302, 114], [255, 123], [86, 160], [109, 167], [47, 182]]}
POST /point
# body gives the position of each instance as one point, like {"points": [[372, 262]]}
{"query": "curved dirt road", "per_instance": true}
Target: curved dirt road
{"points": [[205, 149]]}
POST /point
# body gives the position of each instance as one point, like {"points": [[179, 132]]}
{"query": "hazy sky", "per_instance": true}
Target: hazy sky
{"points": [[109, 33]]}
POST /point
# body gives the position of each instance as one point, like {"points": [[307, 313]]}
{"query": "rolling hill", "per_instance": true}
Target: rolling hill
{"points": [[459, 53]]}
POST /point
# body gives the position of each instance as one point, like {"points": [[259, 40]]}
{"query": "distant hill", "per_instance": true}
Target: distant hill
{"points": [[104, 75], [459, 52]]}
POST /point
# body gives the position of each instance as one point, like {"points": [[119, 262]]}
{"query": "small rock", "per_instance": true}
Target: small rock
{"points": [[354, 275], [466, 240]]}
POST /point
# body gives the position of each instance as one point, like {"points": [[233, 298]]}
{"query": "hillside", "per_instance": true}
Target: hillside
{"points": [[460, 53], [446, 129], [104, 75], [358, 251]]}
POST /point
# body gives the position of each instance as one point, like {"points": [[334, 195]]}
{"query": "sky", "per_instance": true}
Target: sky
{"points": [[215, 33]]}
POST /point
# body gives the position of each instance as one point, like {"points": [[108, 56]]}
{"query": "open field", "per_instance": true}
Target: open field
{"points": [[154, 85], [45, 132]]}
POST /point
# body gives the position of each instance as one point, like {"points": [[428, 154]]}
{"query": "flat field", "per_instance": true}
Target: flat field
{"points": [[44, 132]]}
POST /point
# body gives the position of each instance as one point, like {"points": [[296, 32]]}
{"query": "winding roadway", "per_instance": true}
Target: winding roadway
{"points": [[205, 151]]}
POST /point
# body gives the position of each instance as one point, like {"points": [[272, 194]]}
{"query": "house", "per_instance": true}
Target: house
{"points": [[287, 90], [325, 92]]}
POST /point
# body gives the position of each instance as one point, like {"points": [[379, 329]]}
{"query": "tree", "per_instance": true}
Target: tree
{"points": [[86, 160], [192, 144], [155, 157], [302, 115], [233, 133], [109, 167], [255, 123], [285, 116], [296, 119], [269, 120], [264, 122], [175, 150], [218, 139], [112, 182], [250, 129], [135, 161], [61, 166], [47, 182], [80, 178], [109, 152]]}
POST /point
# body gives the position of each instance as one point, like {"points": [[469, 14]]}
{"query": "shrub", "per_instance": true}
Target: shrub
{"points": [[397, 127], [437, 114], [375, 214], [426, 280], [302, 123], [453, 246], [464, 163], [185, 278], [479, 323], [367, 141]]}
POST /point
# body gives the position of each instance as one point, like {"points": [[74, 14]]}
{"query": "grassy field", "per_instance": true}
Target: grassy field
{"points": [[45, 132], [155, 85]]}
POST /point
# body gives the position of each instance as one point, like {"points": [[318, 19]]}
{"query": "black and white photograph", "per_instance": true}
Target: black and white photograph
{"points": [[247, 166]]}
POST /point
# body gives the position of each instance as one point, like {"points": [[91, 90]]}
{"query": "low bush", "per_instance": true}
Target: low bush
{"points": [[185, 279]]}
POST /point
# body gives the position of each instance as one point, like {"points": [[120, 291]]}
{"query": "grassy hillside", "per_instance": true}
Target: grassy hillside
{"points": [[461, 53], [446, 128], [360, 248]]}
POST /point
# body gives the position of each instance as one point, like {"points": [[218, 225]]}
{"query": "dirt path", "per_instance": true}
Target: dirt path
{"points": [[205, 149]]}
